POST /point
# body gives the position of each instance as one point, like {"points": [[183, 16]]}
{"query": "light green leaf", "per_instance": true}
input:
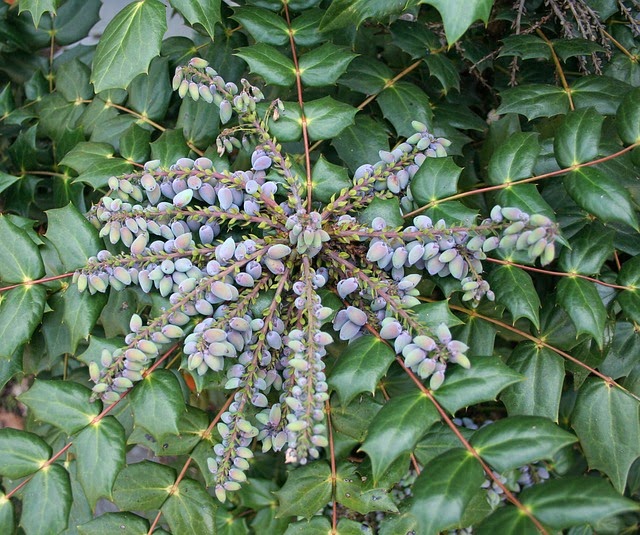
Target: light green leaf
{"points": [[486, 378], [64, 404], [121, 523], [578, 137], [581, 301], [95, 163], [435, 179], [158, 403], [534, 100], [207, 14], [143, 486], [628, 117], [328, 179], [401, 422], [458, 15], [308, 489], [7, 515], [46, 501], [20, 313], [514, 159], [19, 257], [601, 195], [129, 43], [607, 422], [263, 25], [514, 289], [268, 62], [360, 367], [100, 450], [191, 509], [37, 8], [402, 103], [327, 117], [324, 65], [539, 392], [444, 489], [21, 453], [343, 13]]}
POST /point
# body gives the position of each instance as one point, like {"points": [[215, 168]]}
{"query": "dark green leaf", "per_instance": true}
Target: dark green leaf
{"points": [[129, 43], [514, 289], [438, 440], [353, 420], [478, 334], [442, 68], [7, 180], [74, 19], [624, 352], [354, 492], [527, 198], [134, 144], [403, 523], [401, 422], [316, 526], [308, 489], [514, 159], [7, 515], [342, 13], [37, 8], [46, 501], [628, 117], [95, 163], [327, 117], [143, 486], [534, 100], [206, 14], [20, 313], [630, 299], [121, 523], [64, 404], [590, 249], [199, 122], [435, 179], [73, 81], [539, 392], [263, 25], [305, 28], [324, 65], [507, 521], [100, 450], [453, 212], [328, 179], [402, 103], [486, 378], [19, 257], [354, 148], [289, 125], [21, 453], [268, 62], [569, 48], [158, 403], [366, 75], [581, 301], [433, 314], [599, 92], [149, 93], [458, 15], [607, 422], [169, 147], [388, 209], [360, 367], [191, 509], [525, 47], [578, 138]]}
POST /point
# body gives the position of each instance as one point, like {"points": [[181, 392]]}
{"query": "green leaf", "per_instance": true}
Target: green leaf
{"points": [[72, 81], [578, 137], [328, 179], [306, 28], [514, 159], [46, 501], [534, 100], [343, 13], [629, 299], [149, 93], [191, 509], [433, 314], [7, 515], [435, 179], [74, 19], [453, 212], [539, 392], [599, 92], [525, 47], [143, 486], [402, 103], [356, 493], [327, 117], [401, 422], [199, 121], [628, 117], [574, 501], [21, 453], [263, 25], [316, 526], [442, 68], [438, 440], [7, 180], [74, 248], [601, 195], [129, 43], [354, 148], [207, 14], [308, 489], [353, 420], [590, 249], [360, 367], [446, 486], [158, 403], [37, 8], [569, 48], [624, 352], [64, 404], [95, 163], [514, 289], [289, 126], [121, 523], [519, 440], [134, 144], [324, 65], [366, 75], [169, 147], [486, 378], [268, 62], [581, 301], [507, 521], [607, 422], [20, 313], [19, 257], [100, 450], [458, 15]]}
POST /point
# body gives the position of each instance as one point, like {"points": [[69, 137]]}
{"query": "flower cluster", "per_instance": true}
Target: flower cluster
{"points": [[215, 242]]}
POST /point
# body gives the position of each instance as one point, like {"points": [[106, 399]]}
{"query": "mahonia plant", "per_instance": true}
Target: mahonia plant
{"points": [[214, 241]]}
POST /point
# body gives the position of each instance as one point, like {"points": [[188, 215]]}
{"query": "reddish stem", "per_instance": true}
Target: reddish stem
{"points": [[38, 281], [334, 477]]}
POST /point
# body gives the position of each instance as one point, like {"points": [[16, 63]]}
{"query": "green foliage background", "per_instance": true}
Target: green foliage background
{"points": [[541, 117]]}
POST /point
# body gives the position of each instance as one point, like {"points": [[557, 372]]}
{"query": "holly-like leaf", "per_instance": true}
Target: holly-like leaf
{"points": [[268, 62], [206, 14], [354, 492], [129, 43], [134, 144], [525, 47], [143, 486], [539, 392], [122, 523], [21, 453], [578, 137], [158, 403], [514, 159], [630, 299], [507, 521], [7, 515], [95, 163], [581, 301], [343, 13], [327, 117], [446, 485], [20, 313], [360, 367], [599, 92], [149, 93], [628, 117], [590, 249], [64, 404], [100, 452], [46, 501], [607, 422], [435, 179], [324, 65], [191, 509], [19, 257], [37, 8], [169, 147], [328, 179], [458, 15], [442, 68], [353, 419], [534, 100], [308, 488], [402, 103], [263, 25], [433, 314], [366, 75], [354, 148], [401, 422], [486, 378], [514, 289], [7, 180]]}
